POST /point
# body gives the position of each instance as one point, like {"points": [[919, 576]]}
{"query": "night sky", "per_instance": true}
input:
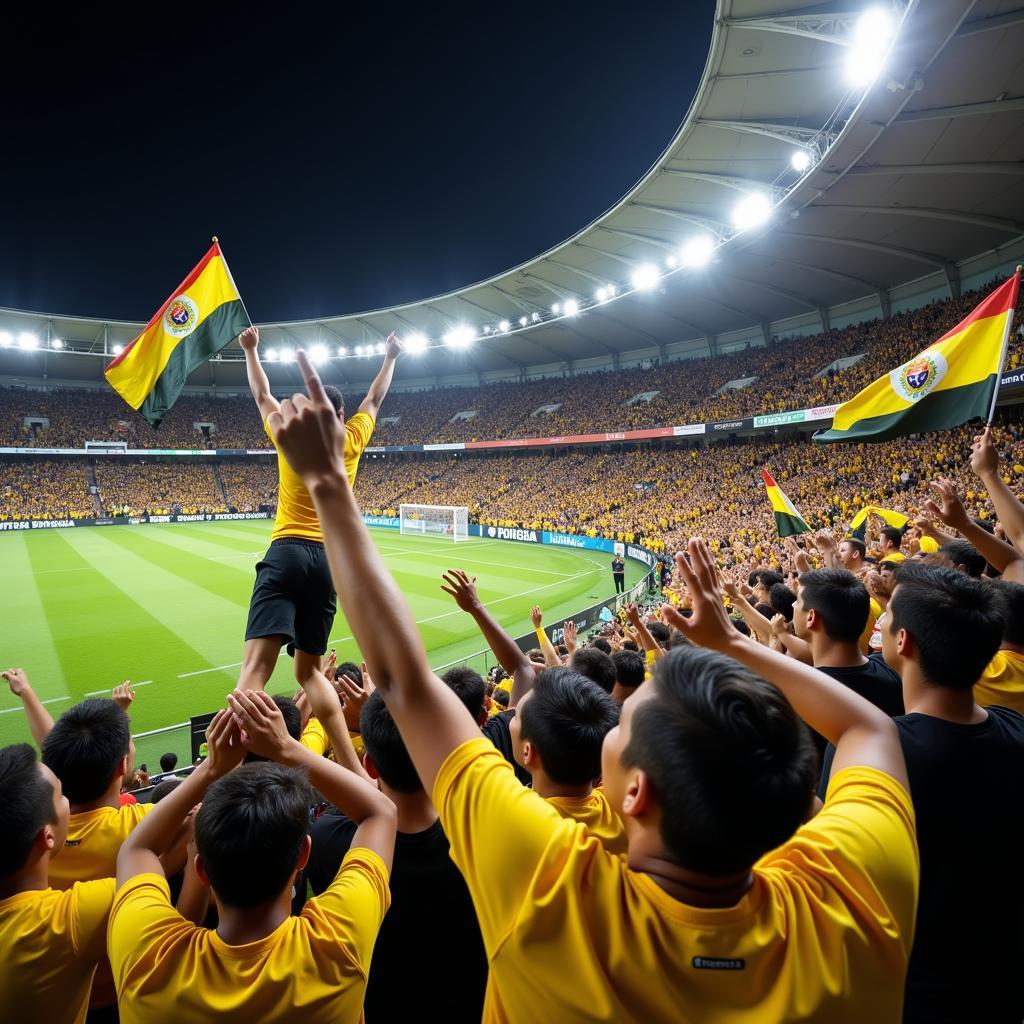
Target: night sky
{"points": [[348, 158]]}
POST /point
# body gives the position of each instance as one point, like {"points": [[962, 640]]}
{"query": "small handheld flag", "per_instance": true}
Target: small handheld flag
{"points": [[858, 524], [203, 314], [788, 521], [954, 380]]}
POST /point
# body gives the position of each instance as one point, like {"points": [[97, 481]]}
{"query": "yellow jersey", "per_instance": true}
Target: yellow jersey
{"points": [[94, 839], [823, 934], [296, 516], [1002, 682], [312, 968], [597, 815], [314, 737], [50, 943]]}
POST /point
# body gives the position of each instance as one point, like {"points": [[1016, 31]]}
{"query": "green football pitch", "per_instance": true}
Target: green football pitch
{"points": [[165, 606]]}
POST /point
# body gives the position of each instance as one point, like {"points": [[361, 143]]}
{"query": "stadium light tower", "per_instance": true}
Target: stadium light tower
{"points": [[416, 344]]}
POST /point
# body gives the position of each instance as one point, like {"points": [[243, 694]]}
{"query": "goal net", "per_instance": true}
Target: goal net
{"points": [[448, 521]]}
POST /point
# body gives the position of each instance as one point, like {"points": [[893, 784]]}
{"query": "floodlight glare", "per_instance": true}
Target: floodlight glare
{"points": [[342, 351], [359, 350], [571, 307], [601, 294], [697, 251], [287, 355], [535, 317], [416, 344], [318, 354], [522, 321], [869, 46], [670, 261], [56, 343], [118, 349], [645, 277], [800, 160], [751, 212], [487, 328], [27, 341], [556, 308], [460, 337], [6, 340], [503, 327], [380, 348], [612, 290], [272, 355]]}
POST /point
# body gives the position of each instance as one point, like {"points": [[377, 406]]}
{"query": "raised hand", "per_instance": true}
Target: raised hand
{"points": [[17, 679], [353, 697], [779, 624], [261, 723], [569, 632], [950, 508], [536, 616], [330, 664], [224, 743], [249, 338], [123, 694], [308, 431], [632, 615], [462, 587], [708, 624], [393, 347], [984, 457]]}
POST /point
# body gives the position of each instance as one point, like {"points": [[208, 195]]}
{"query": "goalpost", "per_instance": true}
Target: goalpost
{"points": [[448, 521]]}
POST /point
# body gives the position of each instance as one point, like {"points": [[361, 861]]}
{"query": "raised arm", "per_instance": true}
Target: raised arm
{"points": [[759, 625], [950, 509], [140, 852], [39, 720], [326, 705], [259, 385], [862, 734], [382, 382], [985, 464], [431, 718], [264, 733], [523, 672], [551, 658]]}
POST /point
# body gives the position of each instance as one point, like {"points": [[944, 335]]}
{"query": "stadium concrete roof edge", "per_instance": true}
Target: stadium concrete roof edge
{"points": [[771, 83]]}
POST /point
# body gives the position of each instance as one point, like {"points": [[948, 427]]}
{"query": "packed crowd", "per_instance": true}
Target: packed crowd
{"points": [[44, 489], [772, 797], [157, 488], [687, 391]]}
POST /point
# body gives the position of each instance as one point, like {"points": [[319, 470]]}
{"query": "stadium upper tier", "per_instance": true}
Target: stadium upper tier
{"points": [[794, 374], [825, 165]]}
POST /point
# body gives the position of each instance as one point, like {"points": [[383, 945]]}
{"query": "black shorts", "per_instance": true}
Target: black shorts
{"points": [[293, 596]]}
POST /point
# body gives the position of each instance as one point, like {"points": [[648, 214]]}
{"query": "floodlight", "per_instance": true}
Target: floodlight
{"points": [[415, 344], [670, 261], [612, 290], [380, 348], [869, 45], [318, 354], [503, 326], [752, 211], [535, 317], [556, 308], [118, 349], [342, 351], [6, 339], [287, 355], [800, 160], [460, 337], [56, 343], [522, 321], [645, 277], [601, 294], [697, 251], [272, 355], [487, 328], [27, 341], [571, 307]]}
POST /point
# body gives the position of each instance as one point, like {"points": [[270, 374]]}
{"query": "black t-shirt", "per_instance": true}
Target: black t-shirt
{"points": [[618, 565], [874, 681], [497, 731], [429, 958], [967, 784]]}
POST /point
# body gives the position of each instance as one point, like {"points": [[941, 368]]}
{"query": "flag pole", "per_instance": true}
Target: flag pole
{"points": [[231, 278], [1002, 354]]}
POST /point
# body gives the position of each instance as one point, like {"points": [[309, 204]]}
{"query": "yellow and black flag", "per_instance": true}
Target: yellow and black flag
{"points": [[952, 381], [203, 314], [788, 521]]}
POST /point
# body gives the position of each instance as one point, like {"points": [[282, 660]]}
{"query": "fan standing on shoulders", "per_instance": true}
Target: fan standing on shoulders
{"points": [[293, 600]]}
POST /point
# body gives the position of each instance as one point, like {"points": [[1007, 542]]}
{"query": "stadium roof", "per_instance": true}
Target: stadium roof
{"points": [[911, 176]]}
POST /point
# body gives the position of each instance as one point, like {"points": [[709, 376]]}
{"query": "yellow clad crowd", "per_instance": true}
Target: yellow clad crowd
{"points": [[787, 790]]}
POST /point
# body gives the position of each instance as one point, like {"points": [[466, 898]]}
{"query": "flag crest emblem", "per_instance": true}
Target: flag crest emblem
{"points": [[181, 317], [920, 376]]}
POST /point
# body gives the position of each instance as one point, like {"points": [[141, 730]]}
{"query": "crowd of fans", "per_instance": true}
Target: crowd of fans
{"points": [[686, 391], [44, 489], [771, 796]]}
